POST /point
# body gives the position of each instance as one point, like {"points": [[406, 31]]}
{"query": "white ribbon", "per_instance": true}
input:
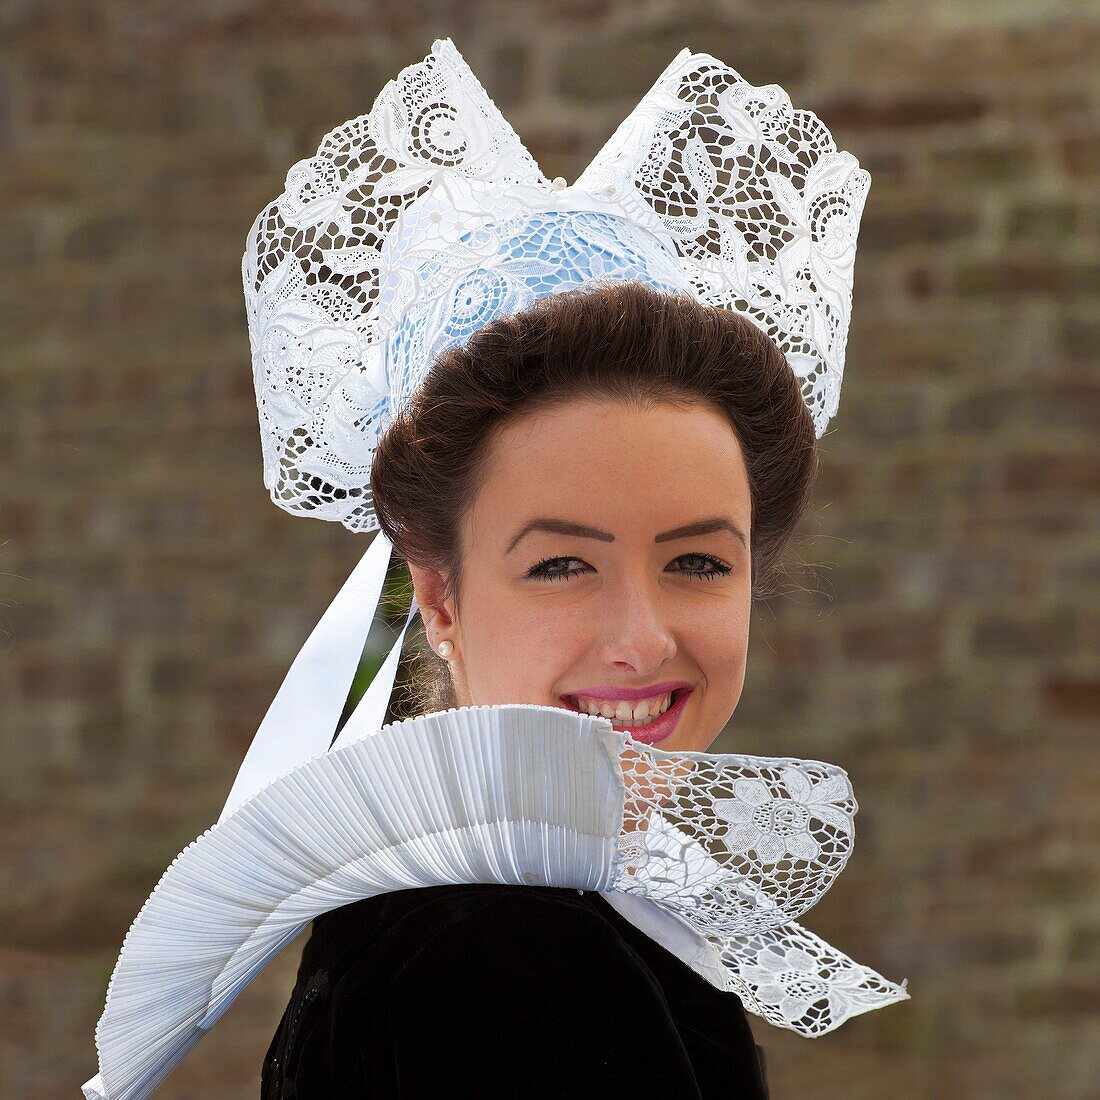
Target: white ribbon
{"points": [[303, 716], [369, 715]]}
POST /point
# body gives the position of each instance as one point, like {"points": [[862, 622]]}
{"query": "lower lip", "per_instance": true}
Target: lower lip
{"points": [[659, 728]]}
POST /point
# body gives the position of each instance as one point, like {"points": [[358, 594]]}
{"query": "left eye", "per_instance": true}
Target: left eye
{"points": [[545, 569]]}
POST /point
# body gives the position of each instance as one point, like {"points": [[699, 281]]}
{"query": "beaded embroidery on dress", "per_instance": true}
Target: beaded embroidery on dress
{"points": [[412, 227]]}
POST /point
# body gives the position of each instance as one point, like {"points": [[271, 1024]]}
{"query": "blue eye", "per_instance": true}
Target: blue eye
{"points": [[543, 570]]}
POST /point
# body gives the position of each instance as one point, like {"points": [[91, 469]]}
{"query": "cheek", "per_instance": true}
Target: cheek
{"points": [[518, 650], [719, 648], [719, 645]]}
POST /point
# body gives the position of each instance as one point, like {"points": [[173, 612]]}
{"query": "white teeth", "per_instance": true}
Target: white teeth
{"points": [[624, 713]]}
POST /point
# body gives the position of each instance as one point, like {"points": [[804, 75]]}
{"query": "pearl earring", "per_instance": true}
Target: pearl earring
{"points": [[446, 648]]}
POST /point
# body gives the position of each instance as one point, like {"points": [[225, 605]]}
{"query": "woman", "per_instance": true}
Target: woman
{"points": [[613, 473], [586, 417]]}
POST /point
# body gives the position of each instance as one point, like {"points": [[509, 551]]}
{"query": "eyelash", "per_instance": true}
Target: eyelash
{"points": [[538, 572]]}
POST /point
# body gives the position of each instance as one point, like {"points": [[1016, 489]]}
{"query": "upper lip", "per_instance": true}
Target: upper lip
{"points": [[630, 695]]}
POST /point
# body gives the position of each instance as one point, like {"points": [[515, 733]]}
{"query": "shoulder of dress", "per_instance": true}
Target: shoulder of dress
{"points": [[528, 932], [388, 921], [364, 948]]}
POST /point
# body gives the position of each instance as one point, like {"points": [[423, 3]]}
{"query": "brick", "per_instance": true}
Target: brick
{"points": [[103, 741], [1040, 516], [20, 239], [1084, 946], [886, 417], [902, 112], [910, 637], [90, 679], [1079, 337], [984, 164], [794, 649], [1069, 698], [1062, 884], [1072, 406], [1053, 472], [579, 11], [509, 71], [1059, 1000], [1082, 155], [1005, 278], [936, 475], [885, 231], [601, 69], [1053, 634], [995, 948], [783, 694], [998, 858], [177, 673], [314, 98], [1047, 220], [856, 583], [922, 281], [27, 620], [997, 50], [938, 700], [103, 238]]}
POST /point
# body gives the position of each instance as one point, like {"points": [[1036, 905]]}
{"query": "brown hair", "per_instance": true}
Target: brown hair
{"points": [[623, 342]]}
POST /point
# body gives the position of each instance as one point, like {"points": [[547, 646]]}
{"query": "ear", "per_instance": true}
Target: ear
{"points": [[436, 611]]}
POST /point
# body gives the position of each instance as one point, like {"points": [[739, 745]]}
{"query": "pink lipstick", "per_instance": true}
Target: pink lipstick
{"points": [[659, 728]]}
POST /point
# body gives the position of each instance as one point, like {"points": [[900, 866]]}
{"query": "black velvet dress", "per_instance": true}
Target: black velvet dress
{"points": [[502, 991]]}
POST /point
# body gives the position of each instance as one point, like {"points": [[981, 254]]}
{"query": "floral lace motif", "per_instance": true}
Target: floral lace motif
{"points": [[419, 222], [739, 847], [764, 209]]}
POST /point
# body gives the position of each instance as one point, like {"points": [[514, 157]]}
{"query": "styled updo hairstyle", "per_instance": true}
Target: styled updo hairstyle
{"points": [[625, 342]]}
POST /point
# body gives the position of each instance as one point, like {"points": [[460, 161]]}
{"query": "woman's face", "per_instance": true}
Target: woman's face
{"points": [[583, 582]]}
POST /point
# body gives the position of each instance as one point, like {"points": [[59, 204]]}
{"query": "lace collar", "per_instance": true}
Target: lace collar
{"points": [[714, 856]]}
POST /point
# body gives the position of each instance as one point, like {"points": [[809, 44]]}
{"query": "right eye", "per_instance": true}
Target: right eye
{"points": [[542, 570]]}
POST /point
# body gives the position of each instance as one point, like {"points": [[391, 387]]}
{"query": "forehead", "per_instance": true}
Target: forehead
{"points": [[589, 457]]}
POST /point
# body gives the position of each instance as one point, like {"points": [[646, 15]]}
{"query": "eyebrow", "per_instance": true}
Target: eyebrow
{"points": [[580, 530]]}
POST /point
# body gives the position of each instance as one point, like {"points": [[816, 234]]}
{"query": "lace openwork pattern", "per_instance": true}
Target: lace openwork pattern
{"points": [[313, 274], [739, 847], [419, 222]]}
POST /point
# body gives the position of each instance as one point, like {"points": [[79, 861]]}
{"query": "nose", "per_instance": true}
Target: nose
{"points": [[637, 637]]}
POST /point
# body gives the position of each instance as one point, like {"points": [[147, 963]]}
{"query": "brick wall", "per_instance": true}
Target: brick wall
{"points": [[943, 649]]}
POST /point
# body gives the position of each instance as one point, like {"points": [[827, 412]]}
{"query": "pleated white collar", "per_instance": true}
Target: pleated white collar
{"points": [[713, 856]]}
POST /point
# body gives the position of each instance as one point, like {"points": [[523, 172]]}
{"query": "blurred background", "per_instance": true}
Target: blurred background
{"points": [[939, 640]]}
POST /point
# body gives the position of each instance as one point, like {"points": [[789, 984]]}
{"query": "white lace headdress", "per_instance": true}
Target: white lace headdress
{"points": [[412, 227], [426, 218]]}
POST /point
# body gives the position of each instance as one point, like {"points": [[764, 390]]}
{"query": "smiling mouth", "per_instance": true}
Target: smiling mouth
{"points": [[655, 728], [674, 697]]}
